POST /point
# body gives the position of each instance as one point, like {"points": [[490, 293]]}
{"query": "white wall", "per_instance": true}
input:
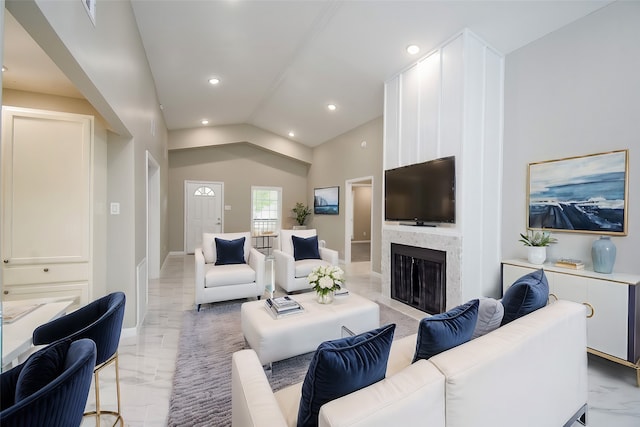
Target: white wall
{"points": [[571, 93]]}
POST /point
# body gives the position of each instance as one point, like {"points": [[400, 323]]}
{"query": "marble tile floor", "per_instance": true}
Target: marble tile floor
{"points": [[147, 361]]}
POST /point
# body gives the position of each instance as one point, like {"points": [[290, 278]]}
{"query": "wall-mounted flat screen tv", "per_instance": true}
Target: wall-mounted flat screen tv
{"points": [[422, 193]]}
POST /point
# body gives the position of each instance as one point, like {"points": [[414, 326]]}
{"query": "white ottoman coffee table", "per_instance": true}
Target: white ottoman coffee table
{"points": [[278, 339]]}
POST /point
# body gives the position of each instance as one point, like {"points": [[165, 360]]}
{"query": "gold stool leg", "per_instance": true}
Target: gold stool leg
{"points": [[97, 384], [98, 412]]}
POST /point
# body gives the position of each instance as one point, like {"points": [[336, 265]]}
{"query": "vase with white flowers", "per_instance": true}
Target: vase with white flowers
{"points": [[325, 280]]}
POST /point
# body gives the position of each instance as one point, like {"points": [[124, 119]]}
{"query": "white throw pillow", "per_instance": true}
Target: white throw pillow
{"points": [[490, 312]]}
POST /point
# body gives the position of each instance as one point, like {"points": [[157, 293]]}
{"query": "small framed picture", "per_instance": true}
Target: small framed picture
{"points": [[326, 201]]}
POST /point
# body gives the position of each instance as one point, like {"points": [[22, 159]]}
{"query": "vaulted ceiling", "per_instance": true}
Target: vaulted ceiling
{"points": [[280, 63]]}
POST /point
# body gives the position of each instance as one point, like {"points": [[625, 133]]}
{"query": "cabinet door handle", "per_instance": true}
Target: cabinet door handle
{"points": [[6, 292], [6, 261], [46, 269], [555, 298], [593, 310]]}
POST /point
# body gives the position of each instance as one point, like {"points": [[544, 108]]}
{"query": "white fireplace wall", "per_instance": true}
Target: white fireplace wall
{"points": [[450, 102]]}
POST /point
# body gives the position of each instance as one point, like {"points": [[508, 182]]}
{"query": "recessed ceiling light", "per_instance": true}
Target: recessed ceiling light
{"points": [[413, 49], [214, 80], [204, 121], [291, 134], [332, 107]]}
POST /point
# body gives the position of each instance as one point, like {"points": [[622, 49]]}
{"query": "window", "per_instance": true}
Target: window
{"points": [[266, 209], [204, 191]]}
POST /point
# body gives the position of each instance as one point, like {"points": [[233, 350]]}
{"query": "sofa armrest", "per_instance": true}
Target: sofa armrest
{"points": [[257, 263], [412, 397], [200, 271], [536, 361], [252, 401], [329, 255], [284, 266]]}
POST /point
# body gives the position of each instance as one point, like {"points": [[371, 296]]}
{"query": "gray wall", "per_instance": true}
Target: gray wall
{"points": [[239, 166], [341, 159], [571, 93]]}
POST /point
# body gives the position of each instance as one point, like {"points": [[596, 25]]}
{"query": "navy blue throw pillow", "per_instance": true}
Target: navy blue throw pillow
{"points": [[443, 331], [305, 248], [342, 366], [230, 251], [526, 295], [41, 368]]}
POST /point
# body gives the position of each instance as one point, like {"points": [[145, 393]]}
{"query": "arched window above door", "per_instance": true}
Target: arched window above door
{"points": [[204, 191]]}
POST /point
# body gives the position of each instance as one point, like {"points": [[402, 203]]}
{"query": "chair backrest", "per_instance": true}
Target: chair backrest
{"points": [[100, 321], [286, 242], [61, 402], [209, 244]]}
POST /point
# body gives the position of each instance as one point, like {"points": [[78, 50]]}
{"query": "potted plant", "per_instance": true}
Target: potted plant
{"points": [[301, 212], [536, 243]]}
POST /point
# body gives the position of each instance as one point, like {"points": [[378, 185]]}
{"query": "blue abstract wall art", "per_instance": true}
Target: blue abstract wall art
{"points": [[326, 201], [586, 194]]}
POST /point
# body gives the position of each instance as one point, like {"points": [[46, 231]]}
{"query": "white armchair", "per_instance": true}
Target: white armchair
{"points": [[230, 281], [291, 275]]}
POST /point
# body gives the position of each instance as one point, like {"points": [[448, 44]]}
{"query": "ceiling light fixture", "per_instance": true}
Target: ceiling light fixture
{"points": [[291, 134], [214, 80], [413, 49], [332, 107], [204, 121]]}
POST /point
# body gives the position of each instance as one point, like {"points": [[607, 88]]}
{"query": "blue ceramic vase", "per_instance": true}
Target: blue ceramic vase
{"points": [[603, 254]]}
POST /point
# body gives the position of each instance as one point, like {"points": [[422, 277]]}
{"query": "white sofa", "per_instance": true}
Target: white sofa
{"points": [[291, 275], [531, 372], [226, 282]]}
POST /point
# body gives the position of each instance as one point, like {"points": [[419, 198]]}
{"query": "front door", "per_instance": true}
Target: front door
{"points": [[203, 201]]}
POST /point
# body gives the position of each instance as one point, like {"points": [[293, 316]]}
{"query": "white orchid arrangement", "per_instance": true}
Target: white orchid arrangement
{"points": [[325, 279]]}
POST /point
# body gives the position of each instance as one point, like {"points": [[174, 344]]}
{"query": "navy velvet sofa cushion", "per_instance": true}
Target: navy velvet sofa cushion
{"points": [[342, 366], [230, 251], [527, 294], [443, 331], [305, 248]]}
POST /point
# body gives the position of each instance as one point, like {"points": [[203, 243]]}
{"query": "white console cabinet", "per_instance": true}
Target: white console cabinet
{"points": [[613, 306]]}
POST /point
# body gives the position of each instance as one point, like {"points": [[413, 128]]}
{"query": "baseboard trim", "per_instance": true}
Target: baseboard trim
{"points": [[128, 332]]}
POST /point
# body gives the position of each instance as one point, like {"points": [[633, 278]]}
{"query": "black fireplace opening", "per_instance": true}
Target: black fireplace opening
{"points": [[418, 277]]}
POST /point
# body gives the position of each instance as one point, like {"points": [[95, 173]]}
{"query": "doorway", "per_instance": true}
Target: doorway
{"points": [[358, 219], [203, 211]]}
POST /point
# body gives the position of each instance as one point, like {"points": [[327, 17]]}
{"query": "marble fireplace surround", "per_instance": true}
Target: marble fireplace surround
{"points": [[439, 238]]}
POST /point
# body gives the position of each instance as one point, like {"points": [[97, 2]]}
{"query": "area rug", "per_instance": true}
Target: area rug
{"points": [[201, 394]]}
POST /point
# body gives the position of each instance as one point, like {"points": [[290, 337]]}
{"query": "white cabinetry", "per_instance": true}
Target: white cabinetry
{"points": [[449, 103], [46, 195], [613, 301]]}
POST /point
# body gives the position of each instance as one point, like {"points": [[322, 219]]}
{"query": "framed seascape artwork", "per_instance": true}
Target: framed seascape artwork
{"points": [[586, 194], [326, 201]]}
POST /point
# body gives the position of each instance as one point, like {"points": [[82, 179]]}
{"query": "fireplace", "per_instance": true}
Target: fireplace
{"points": [[418, 277]]}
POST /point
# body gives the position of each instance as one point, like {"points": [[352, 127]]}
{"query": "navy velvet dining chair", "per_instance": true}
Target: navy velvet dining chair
{"points": [[50, 388], [100, 321]]}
